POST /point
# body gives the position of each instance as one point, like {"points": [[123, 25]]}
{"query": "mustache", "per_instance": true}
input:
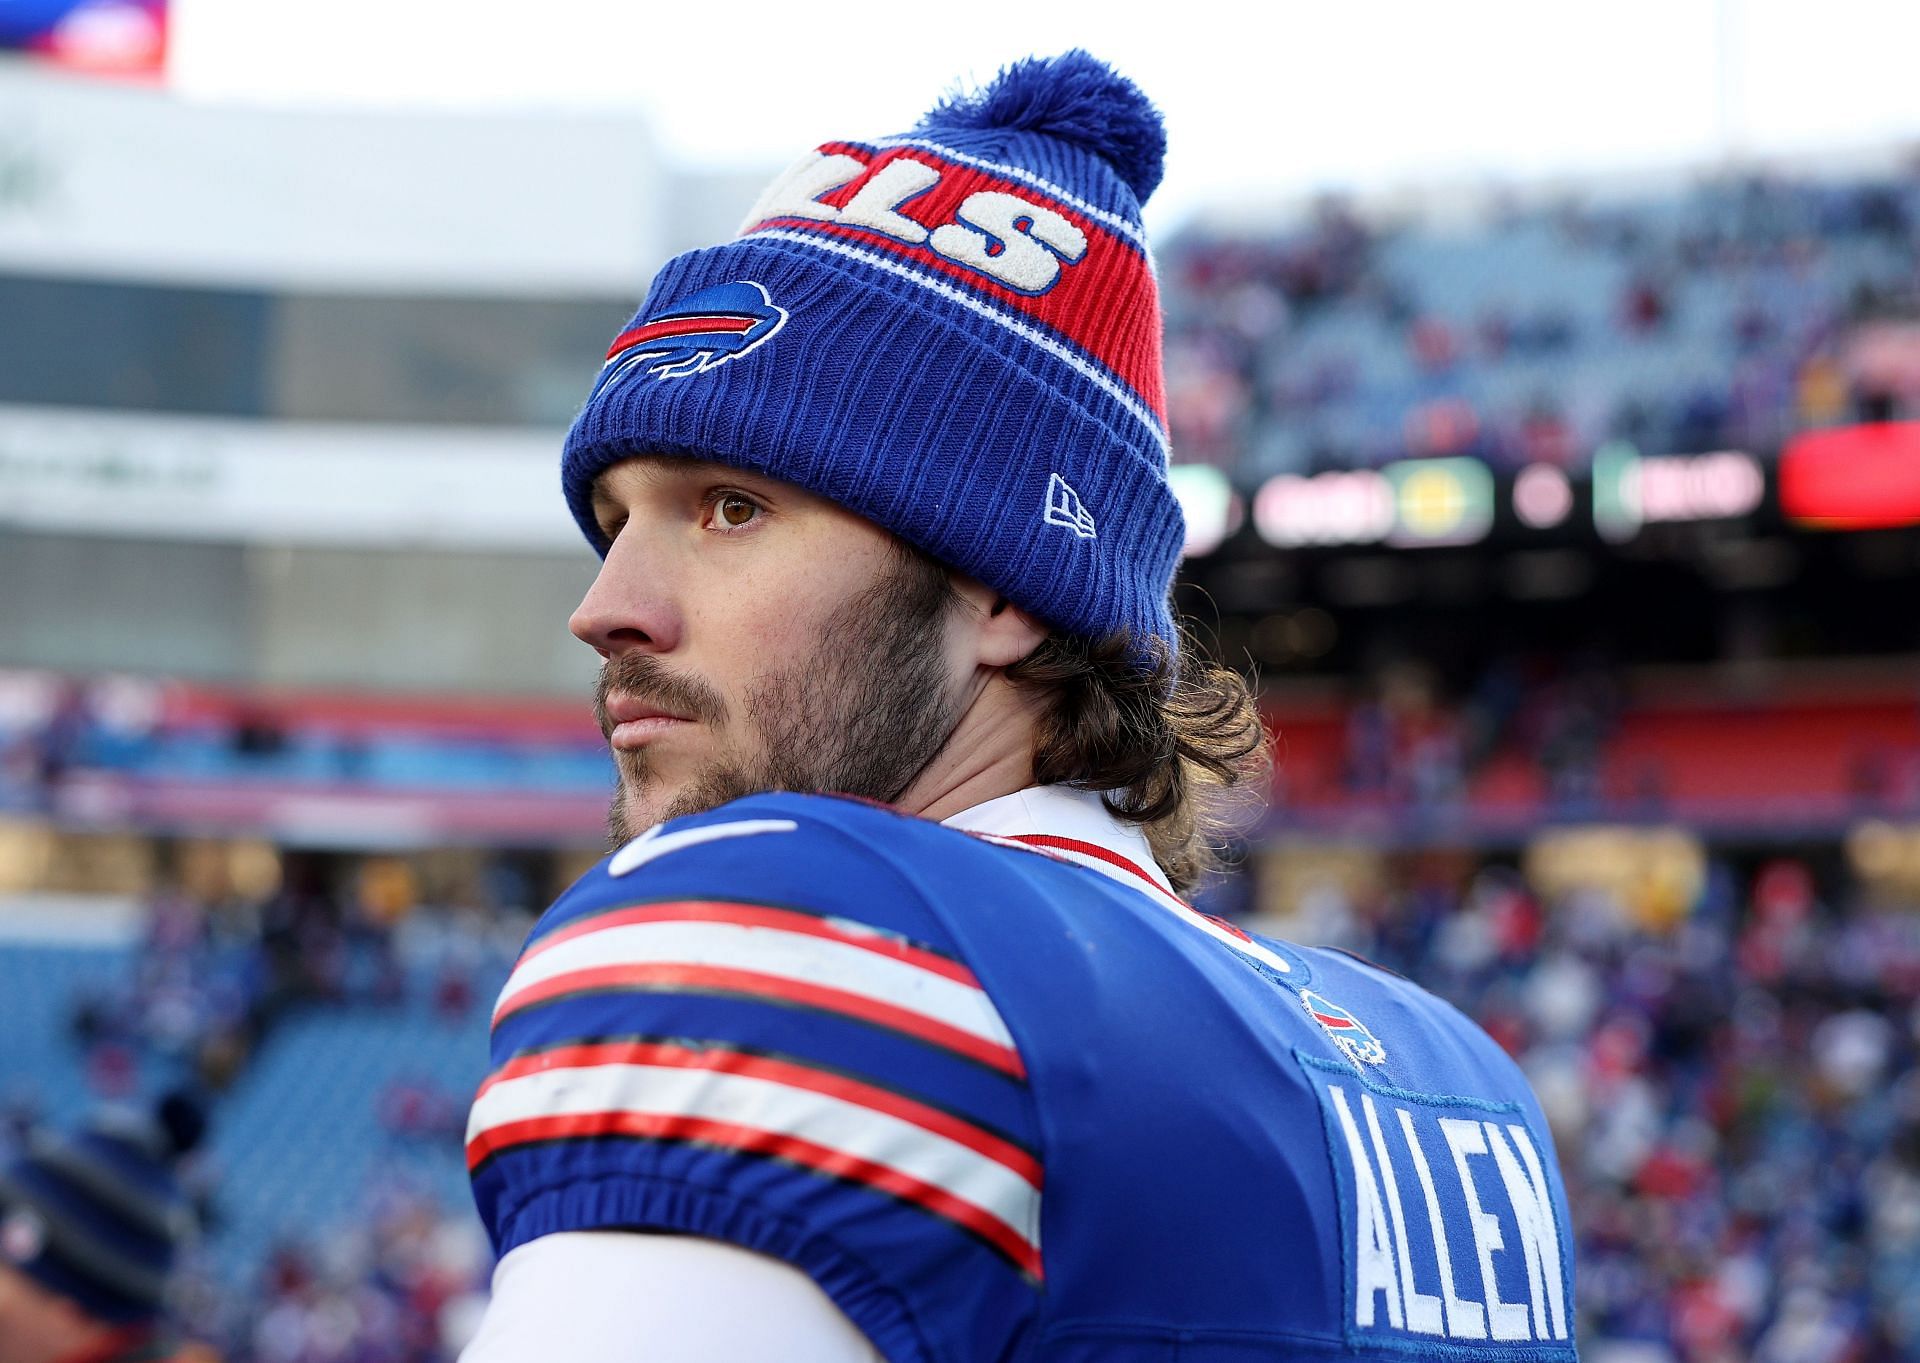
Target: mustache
{"points": [[646, 678]]}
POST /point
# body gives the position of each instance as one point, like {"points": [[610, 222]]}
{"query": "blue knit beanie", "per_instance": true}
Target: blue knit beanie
{"points": [[98, 1216], [954, 333]]}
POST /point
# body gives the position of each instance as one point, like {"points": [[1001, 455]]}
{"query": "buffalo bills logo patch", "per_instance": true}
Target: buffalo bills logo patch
{"points": [[694, 334], [1348, 1032]]}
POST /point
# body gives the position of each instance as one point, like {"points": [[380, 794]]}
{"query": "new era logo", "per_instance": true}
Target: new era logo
{"points": [[1064, 508]]}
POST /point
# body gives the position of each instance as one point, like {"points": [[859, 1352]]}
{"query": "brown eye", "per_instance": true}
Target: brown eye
{"points": [[737, 511]]}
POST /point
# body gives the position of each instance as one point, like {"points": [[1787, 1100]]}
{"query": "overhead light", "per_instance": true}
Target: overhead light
{"points": [[1631, 490], [1213, 510], [1328, 508], [1440, 501], [1542, 496]]}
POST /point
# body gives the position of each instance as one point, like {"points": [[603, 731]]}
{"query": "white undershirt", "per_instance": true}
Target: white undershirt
{"points": [[622, 1297], [617, 1297]]}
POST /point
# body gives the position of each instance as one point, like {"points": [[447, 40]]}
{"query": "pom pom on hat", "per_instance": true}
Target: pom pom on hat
{"points": [[1077, 98]]}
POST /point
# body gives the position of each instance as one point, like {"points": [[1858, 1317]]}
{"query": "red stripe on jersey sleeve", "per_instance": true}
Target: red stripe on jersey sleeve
{"points": [[779, 1145], [671, 976]]}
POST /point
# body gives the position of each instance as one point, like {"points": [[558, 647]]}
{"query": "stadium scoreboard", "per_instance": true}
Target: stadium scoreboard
{"points": [[1842, 478]]}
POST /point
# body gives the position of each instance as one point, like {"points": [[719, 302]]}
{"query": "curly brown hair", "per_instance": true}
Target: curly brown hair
{"points": [[1178, 748]]}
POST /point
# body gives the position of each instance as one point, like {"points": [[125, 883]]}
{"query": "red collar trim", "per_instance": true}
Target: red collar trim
{"points": [[1094, 849]]}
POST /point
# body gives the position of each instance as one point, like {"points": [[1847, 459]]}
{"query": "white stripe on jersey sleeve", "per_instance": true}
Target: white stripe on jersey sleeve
{"points": [[768, 1105], [796, 956]]}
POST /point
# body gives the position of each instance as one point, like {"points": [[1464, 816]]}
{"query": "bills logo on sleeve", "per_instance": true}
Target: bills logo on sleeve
{"points": [[1348, 1032], [694, 334], [1449, 1227]]}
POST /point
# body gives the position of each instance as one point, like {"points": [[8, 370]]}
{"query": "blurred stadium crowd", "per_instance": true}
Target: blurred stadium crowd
{"points": [[336, 1043], [1727, 317]]}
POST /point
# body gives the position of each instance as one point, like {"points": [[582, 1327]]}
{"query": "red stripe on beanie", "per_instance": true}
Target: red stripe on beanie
{"points": [[1106, 304]]}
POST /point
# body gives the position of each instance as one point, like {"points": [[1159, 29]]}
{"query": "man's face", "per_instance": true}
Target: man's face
{"points": [[36, 1326], [758, 637]]}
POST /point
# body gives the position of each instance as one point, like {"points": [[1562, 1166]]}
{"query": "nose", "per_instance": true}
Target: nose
{"points": [[631, 604]]}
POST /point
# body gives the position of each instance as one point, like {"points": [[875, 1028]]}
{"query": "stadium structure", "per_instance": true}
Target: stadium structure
{"points": [[1576, 548]]}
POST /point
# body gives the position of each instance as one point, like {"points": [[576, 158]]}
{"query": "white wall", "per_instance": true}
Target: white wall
{"points": [[127, 182], [289, 553], [384, 619], [235, 480]]}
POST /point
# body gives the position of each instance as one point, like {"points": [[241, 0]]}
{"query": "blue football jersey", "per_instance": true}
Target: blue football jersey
{"points": [[1004, 1107]]}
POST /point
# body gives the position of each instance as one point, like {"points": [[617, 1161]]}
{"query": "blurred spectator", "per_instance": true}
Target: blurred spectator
{"points": [[60, 741], [1821, 392], [1545, 436], [403, 1282], [90, 1227]]}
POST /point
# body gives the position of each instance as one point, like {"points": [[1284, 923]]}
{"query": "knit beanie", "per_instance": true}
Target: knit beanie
{"points": [[953, 332], [96, 1217]]}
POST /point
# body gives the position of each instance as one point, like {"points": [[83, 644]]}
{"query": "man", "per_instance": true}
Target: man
{"points": [[89, 1227], [949, 1071]]}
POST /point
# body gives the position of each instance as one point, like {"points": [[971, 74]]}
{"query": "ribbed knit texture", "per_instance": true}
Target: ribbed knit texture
{"points": [[967, 353], [96, 1217]]}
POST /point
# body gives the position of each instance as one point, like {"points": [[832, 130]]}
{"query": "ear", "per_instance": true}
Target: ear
{"points": [[1002, 633]]}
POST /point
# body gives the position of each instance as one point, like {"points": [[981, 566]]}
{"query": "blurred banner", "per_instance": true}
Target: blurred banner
{"points": [[114, 180], [125, 38], [333, 483]]}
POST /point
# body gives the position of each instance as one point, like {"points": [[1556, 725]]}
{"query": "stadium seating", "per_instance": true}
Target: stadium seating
{"points": [[1681, 321], [42, 1063], [337, 1099], [1784, 764], [308, 1129]]}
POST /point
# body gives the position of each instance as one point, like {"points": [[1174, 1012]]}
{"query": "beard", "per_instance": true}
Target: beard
{"points": [[862, 715]]}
